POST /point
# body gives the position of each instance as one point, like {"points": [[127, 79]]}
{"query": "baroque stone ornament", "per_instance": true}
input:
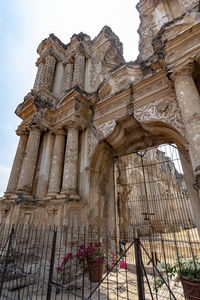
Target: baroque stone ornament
{"points": [[92, 143], [163, 110], [106, 128]]}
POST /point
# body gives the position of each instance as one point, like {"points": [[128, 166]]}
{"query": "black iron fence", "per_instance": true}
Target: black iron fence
{"points": [[52, 263]]}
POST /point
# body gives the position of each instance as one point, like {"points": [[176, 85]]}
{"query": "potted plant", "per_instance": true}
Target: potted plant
{"points": [[95, 257], [188, 271]]}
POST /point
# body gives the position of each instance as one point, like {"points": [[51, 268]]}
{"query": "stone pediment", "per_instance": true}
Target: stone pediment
{"points": [[26, 107]]}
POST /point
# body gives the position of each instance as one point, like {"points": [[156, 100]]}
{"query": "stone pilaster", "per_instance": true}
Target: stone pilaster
{"points": [[79, 69], [39, 77], [26, 177], [69, 185], [68, 76], [14, 175], [189, 103], [57, 163], [49, 70], [44, 164]]}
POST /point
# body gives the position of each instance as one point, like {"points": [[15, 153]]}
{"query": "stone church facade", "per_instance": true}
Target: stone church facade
{"points": [[88, 106]]}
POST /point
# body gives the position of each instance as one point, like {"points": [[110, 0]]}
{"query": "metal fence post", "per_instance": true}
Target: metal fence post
{"points": [[139, 270], [51, 266], [6, 260]]}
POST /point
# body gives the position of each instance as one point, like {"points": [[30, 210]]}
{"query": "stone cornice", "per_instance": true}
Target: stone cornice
{"points": [[51, 51], [179, 50], [184, 70]]}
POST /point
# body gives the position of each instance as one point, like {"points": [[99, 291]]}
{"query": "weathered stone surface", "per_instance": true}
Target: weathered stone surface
{"points": [[116, 108]]}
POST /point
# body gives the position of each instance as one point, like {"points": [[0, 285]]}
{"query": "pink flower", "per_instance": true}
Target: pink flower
{"points": [[112, 254], [81, 247], [59, 268], [123, 265], [69, 255], [97, 259]]}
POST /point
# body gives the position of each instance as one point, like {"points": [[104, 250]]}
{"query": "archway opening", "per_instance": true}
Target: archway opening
{"points": [[150, 191]]}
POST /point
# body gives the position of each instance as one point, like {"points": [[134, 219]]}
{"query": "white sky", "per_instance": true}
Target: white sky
{"points": [[23, 25]]}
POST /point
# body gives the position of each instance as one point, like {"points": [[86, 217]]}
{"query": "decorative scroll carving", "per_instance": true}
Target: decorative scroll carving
{"points": [[162, 110], [106, 128], [92, 143]]}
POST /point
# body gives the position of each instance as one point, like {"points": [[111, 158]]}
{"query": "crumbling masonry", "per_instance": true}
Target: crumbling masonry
{"points": [[88, 106]]}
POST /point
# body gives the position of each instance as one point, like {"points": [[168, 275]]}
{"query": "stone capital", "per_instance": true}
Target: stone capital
{"points": [[22, 131], [59, 131], [72, 125], [35, 126], [186, 70], [68, 60], [80, 50]]}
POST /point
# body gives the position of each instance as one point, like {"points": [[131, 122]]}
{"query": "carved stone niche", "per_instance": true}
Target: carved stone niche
{"points": [[51, 214], [110, 60]]}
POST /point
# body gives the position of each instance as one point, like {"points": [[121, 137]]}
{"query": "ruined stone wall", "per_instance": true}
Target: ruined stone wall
{"points": [[88, 107]]}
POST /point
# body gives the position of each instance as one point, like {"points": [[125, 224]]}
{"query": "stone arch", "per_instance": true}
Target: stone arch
{"points": [[128, 136]]}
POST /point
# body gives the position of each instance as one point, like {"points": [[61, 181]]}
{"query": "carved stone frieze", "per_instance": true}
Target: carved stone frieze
{"points": [[153, 87], [106, 128], [112, 107], [165, 110]]}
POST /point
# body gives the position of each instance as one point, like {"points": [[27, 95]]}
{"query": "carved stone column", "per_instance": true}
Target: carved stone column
{"points": [[69, 185], [25, 183], [189, 103], [39, 77], [49, 70], [68, 76], [193, 195], [57, 163], [14, 175], [79, 69]]}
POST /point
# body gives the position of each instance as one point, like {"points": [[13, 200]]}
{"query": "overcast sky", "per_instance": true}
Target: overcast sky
{"points": [[23, 25]]}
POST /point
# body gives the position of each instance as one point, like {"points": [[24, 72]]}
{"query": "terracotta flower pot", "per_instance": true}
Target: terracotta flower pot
{"points": [[95, 269], [191, 288]]}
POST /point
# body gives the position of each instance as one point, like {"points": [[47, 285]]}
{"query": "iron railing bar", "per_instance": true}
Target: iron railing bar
{"points": [[6, 260], [193, 260], [163, 248], [158, 271], [148, 283], [24, 263], [83, 279], [51, 265], [111, 269], [179, 263]]}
